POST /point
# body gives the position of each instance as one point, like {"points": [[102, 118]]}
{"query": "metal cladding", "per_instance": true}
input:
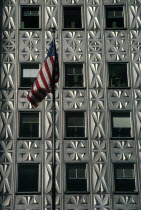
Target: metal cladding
{"points": [[94, 47]]}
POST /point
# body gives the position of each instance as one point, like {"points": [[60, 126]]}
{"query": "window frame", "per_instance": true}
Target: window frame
{"points": [[20, 74], [124, 16], [83, 73], [29, 138], [114, 178], [131, 123], [40, 19], [82, 17], [87, 178], [39, 179], [85, 126], [128, 75]]}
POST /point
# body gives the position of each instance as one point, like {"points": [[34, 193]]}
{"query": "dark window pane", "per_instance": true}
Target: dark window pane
{"points": [[74, 75], [75, 124], [30, 17], [72, 17], [124, 177], [121, 124], [125, 185], [28, 74], [76, 177], [129, 173], [118, 75], [77, 185], [28, 177], [81, 173], [29, 124], [114, 17]]}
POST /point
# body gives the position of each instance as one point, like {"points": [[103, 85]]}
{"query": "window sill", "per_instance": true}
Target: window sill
{"points": [[125, 192], [122, 138], [28, 193], [74, 88], [119, 88], [29, 138], [72, 29], [116, 29], [77, 192], [24, 88], [30, 29], [75, 138]]}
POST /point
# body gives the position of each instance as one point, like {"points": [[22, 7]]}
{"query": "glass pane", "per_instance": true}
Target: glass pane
{"points": [[75, 132], [114, 17], [72, 17], [129, 173], [118, 75], [71, 173], [73, 75], [30, 73], [77, 185], [29, 124], [30, 17], [81, 173], [28, 177], [75, 119], [124, 185], [121, 122], [119, 173], [29, 118]]}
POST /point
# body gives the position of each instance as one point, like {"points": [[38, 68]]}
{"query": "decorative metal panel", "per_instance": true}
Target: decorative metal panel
{"points": [[99, 151], [74, 99], [100, 178], [126, 202], [77, 202], [30, 46], [123, 150], [98, 125], [94, 17], [6, 202], [76, 150], [32, 2], [72, 2], [101, 201], [28, 202], [116, 45], [29, 151], [97, 99], [73, 46], [119, 99], [51, 17]]}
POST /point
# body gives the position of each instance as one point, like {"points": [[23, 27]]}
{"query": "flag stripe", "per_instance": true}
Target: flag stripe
{"points": [[44, 81], [47, 77], [32, 101], [48, 71]]}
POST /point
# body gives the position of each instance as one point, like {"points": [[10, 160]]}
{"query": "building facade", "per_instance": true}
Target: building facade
{"points": [[97, 106]]}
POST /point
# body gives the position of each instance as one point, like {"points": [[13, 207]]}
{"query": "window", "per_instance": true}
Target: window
{"points": [[115, 17], [29, 17], [74, 75], [28, 178], [72, 17], [29, 124], [75, 124], [121, 124], [76, 175], [28, 74], [118, 75], [124, 176]]}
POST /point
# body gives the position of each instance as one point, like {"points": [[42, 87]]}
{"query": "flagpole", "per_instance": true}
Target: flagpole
{"points": [[53, 137]]}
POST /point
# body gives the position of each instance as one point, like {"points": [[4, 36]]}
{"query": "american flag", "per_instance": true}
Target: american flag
{"points": [[47, 77]]}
